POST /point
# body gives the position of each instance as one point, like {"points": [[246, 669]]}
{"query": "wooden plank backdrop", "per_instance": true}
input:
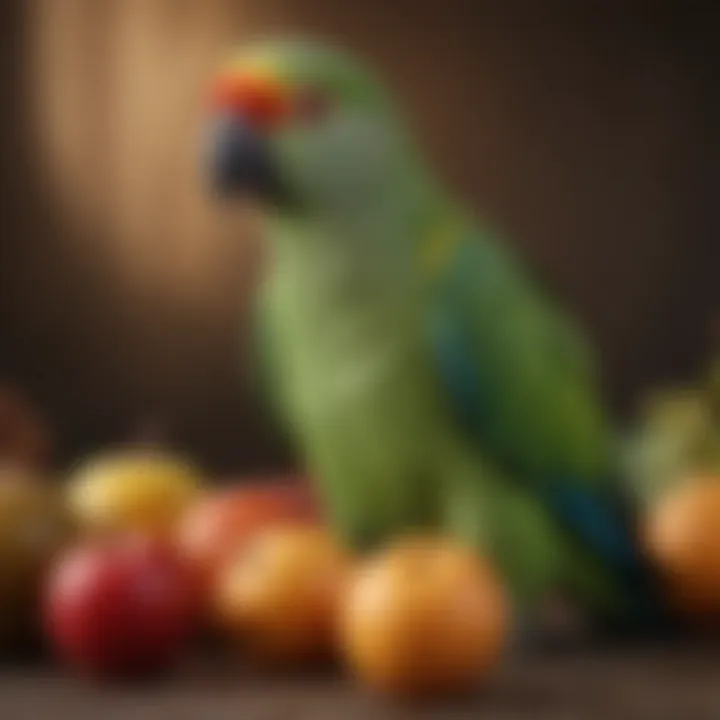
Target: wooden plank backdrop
{"points": [[589, 130]]}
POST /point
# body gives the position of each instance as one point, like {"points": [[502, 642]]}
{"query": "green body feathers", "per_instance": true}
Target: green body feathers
{"points": [[427, 382]]}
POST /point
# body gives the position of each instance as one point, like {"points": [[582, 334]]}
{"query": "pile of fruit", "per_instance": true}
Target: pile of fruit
{"points": [[136, 561], [673, 466]]}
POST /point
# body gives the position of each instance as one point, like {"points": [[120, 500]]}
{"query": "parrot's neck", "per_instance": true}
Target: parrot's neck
{"points": [[400, 237], [351, 297]]}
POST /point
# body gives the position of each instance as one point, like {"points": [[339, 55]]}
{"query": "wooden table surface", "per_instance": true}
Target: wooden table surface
{"points": [[666, 683]]}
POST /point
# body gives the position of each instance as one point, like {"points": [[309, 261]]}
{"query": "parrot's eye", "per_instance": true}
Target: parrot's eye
{"points": [[311, 105]]}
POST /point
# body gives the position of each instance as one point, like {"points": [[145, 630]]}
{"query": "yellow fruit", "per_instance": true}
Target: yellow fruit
{"points": [[133, 490], [279, 598], [682, 535], [426, 616], [34, 526]]}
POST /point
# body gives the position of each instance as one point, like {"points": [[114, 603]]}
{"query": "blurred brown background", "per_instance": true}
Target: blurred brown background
{"points": [[590, 130]]}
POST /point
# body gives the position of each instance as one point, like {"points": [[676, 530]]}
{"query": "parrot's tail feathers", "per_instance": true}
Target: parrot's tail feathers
{"points": [[608, 534], [597, 523]]}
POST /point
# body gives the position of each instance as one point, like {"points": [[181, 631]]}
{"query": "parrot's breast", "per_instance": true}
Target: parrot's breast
{"points": [[341, 356], [360, 395]]}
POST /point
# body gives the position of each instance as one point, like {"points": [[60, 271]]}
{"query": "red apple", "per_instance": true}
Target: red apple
{"points": [[216, 528], [123, 607], [25, 437]]}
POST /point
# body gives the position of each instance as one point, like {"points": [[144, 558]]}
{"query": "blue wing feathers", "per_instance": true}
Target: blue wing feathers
{"points": [[595, 521], [472, 394]]}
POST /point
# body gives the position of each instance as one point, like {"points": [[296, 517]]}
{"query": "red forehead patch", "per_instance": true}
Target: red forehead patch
{"points": [[260, 100]]}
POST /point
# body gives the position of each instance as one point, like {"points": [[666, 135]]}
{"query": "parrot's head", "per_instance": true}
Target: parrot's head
{"points": [[302, 127]]}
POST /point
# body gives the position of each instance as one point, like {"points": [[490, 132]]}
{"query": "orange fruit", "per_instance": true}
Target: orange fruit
{"points": [[682, 536], [425, 616], [279, 597], [217, 527]]}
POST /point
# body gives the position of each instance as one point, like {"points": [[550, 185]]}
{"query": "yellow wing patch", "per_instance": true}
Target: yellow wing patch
{"points": [[439, 248]]}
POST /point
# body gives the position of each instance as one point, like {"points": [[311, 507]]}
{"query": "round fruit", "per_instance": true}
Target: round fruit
{"points": [[133, 490], [121, 607], [678, 436], [424, 617], [682, 536], [24, 436], [280, 596], [33, 527], [216, 528]]}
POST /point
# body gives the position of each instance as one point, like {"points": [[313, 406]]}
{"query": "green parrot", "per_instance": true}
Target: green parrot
{"points": [[427, 381]]}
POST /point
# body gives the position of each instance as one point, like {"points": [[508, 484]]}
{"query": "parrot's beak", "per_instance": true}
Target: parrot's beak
{"points": [[240, 162]]}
